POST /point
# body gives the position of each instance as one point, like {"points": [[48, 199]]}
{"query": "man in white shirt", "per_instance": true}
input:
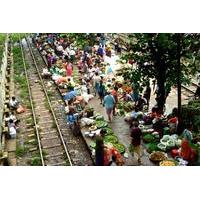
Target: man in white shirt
{"points": [[13, 103]]}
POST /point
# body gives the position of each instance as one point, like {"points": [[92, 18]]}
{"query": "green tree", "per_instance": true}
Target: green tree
{"points": [[156, 57], [82, 39]]}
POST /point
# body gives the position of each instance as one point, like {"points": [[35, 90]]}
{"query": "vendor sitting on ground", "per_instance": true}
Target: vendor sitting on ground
{"points": [[126, 97], [185, 151], [150, 116], [109, 153], [187, 133], [14, 103], [140, 103], [12, 128], [106, 155], [173, 121], [11, 116]]}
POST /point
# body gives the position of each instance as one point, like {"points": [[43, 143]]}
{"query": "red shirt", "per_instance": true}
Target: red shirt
{"points": [[173, 120]]}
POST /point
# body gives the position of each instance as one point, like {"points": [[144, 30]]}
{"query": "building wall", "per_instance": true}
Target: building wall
{"points": [[2, 84]]}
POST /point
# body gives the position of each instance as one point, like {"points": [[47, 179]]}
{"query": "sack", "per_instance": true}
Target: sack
{"points": [[20, 109]]}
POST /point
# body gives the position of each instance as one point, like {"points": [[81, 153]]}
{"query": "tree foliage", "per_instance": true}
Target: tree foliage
{"points": [[82, 39], [156, 57]]}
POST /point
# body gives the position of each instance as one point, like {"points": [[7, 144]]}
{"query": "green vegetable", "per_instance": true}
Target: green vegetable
{"points": [[121, 112], [109, 131], [99, 118], [161, 146], [101, 124], [152, 147], [148, 138], [93, 145], [120, 147], [111, 139]]}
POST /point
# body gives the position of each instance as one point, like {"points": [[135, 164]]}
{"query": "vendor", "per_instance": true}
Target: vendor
{"points": [[185, 151], [126, 97], [140, 103], [13, 103], [109, 153], [187, 133]]}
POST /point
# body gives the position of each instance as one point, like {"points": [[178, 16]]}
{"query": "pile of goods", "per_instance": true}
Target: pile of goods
{"points": [[157, 156], [151, 140], [125, 107], [109, 137], [167, 163], [168, 142]]}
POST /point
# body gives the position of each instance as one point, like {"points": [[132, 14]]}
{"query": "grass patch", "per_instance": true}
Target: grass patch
{"points": [[46, 104], [29, 121], [21, 151], [54, 124], [23, 94], [28, 105], [35, 161], [49, 93]]}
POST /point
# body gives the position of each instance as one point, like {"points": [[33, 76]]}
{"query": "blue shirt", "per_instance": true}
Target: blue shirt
{"points": [[71, 119], [109, 101]]}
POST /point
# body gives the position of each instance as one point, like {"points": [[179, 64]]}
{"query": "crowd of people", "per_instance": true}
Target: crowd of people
{"points": [[97, 77], [85, 73], [64, 55], [10, 117]]}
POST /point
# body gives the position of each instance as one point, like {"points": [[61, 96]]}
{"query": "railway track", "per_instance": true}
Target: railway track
{"points": [[52, 148], [77, 147], [189, 90]]}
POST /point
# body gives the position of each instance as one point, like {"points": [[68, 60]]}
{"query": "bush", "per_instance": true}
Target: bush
{"points": [[191, 114]]}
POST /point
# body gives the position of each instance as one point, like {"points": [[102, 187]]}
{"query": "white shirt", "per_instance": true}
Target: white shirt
{"points": [[12, 131], [60, 48], [96, 79], [13, 103], [13, 117]]}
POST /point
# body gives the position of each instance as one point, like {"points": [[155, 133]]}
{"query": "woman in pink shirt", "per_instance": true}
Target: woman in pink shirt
{"points": [[69, 69]]}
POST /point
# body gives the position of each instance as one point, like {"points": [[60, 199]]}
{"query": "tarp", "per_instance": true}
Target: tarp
{"points": [[70, 95]]}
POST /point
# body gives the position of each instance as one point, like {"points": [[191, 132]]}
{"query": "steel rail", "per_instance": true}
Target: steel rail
{"points": [[188, 89], [31, 101], [47, 97]]}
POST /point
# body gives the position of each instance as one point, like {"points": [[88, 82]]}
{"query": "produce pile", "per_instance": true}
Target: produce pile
{"points": [[168, 142], [124, 107], [167, 163], [109, 137], [157, 156], [151, 141]]}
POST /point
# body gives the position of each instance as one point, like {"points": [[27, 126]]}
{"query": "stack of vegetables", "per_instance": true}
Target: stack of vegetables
{"points": [[168, 142], [151, 141], [109, 137], [56, 70], [124, 107]]}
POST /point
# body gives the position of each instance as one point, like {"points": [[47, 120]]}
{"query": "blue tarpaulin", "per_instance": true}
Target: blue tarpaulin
{"points": [[70, 95]]}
